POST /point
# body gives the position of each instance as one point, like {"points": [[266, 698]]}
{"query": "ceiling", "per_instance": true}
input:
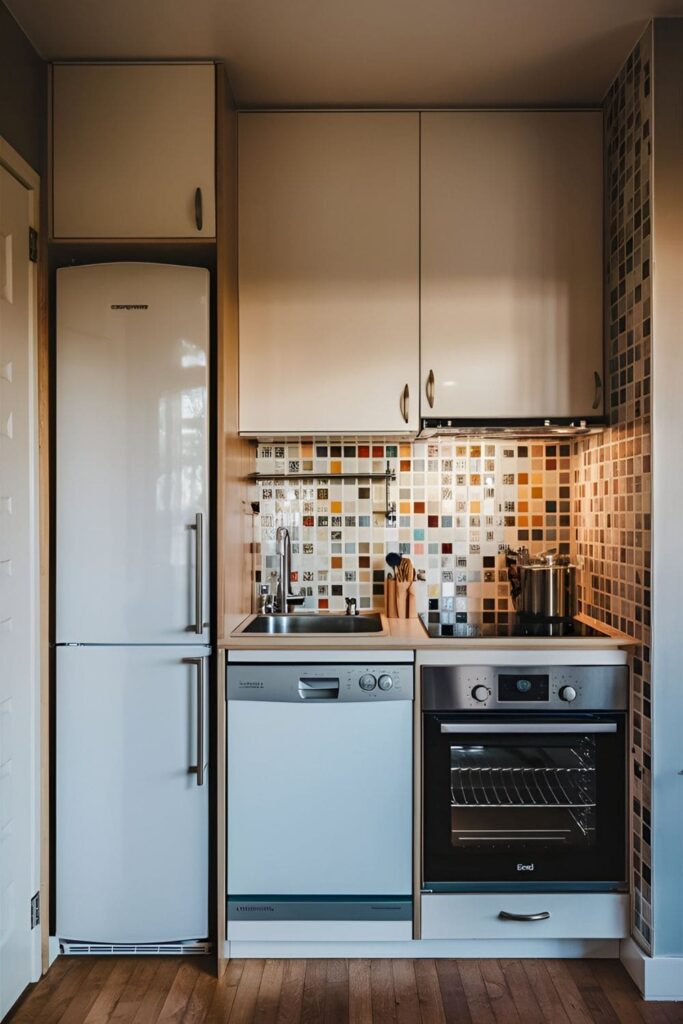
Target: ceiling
{"points": [[415, 53]]}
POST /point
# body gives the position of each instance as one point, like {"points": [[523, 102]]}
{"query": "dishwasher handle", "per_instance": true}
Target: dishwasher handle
{"points": [[319, 688]]}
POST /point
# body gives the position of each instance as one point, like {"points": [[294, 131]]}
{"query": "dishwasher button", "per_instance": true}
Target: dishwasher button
{"points": [[367, 682], [385, 682]]}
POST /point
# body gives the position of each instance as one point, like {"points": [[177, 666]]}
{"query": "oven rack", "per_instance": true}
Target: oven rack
{"points": [[521, 787]]}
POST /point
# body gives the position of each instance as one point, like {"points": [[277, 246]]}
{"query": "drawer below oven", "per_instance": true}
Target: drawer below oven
{"points": [[570, 916]]}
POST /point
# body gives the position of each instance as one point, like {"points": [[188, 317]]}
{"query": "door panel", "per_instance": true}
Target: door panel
{"points": [[329, 264], [511, 263], [132, 452], [132, 822], [19, 866], [131, 144], [319, 799]]}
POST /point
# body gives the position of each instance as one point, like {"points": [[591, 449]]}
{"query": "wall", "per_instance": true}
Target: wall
{"points": [[459, 503], [612, 471], [23, 93], [667, 453]]}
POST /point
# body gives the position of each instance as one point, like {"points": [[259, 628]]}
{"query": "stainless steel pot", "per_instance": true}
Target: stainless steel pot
{"points": [[543, 586]]}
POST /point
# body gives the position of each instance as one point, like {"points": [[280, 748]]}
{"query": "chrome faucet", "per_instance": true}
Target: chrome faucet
{"points": [[285, 600]]}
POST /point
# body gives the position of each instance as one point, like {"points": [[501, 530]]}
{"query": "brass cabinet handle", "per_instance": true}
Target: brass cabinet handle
{"points": [[597, 398], [405, 403], [198, 211], [198, 769], [430, 389], [505, 915]]}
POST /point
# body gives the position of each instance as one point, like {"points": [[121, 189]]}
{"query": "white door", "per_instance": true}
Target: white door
{"points": [[132, 143], [511, 258], [329, 272], [19, 865], [132, 817], [319, 798], [132, 453]]}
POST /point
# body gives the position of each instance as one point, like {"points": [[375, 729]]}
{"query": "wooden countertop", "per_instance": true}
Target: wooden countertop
{"points": [[409, 634]]}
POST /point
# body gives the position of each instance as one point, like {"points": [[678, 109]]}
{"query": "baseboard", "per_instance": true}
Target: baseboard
{"points": [[421, 948], [53, 950], [657, 977]]}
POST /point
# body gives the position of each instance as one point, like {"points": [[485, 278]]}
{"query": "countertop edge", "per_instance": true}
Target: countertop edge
{"points": [[409, 634]]}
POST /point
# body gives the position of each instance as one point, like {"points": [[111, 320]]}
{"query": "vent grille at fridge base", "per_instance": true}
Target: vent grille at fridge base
{"points": [[189, 948]]}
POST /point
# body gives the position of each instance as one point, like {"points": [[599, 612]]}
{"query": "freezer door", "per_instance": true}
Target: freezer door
{"points": [[132, 822], [320, 798], [132, 454]]}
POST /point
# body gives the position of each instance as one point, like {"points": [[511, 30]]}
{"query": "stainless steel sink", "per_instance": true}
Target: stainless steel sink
{"points": [[302, 623]]}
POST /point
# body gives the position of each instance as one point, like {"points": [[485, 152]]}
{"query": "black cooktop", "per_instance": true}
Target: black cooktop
{"points": [[478, 627]]}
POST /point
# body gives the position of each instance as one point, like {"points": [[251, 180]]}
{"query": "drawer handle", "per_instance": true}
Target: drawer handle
{"points": [[505, 915], [597, 397], [198, 211]]}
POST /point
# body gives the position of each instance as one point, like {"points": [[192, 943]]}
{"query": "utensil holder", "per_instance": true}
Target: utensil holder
{"points": [[402, 589], [390, 598]]}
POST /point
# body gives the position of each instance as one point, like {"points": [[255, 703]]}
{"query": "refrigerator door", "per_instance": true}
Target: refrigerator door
{"points": [[132, 454], [132, 822]]}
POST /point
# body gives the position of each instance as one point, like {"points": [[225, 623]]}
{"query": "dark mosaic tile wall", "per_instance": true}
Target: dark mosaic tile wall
{"points": [[612, 471], [459, 503]]}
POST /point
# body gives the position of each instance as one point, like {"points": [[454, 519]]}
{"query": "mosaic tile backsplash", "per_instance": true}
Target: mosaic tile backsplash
{"points": [[458, 503], [613, 472]]}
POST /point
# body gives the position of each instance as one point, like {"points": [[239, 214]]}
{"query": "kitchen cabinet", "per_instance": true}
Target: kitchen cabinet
{"points": [[511, 265], [133, 151], [328, 272]]}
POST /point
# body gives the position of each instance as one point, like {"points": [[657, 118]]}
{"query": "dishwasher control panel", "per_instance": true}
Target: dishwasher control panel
{"points": [[320, 683]]}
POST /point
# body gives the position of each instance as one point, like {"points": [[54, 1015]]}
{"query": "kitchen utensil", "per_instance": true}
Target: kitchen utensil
{"points": [[544, 585], [393, 560], [390, 598]]}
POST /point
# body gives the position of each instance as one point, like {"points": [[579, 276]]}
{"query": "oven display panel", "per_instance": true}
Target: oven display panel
{"points": [[523, 688]]}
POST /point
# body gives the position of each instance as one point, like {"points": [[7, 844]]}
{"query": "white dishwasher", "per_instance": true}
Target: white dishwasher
{"points": [[320, 800]]}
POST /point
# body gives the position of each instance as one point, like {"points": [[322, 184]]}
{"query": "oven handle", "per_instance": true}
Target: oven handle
{"points": [[522, 727], [505, 915]]}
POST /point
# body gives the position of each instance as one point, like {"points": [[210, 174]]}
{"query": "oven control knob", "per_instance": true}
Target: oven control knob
{"points": [[367, 682], [567, 693], [481, 693], [385, 682]]}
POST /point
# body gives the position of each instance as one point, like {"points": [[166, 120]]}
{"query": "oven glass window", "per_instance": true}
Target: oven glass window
{"points": [[516, 793]]}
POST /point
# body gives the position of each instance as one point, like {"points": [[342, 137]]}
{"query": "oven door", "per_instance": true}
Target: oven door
{"points": [[512, 799]]}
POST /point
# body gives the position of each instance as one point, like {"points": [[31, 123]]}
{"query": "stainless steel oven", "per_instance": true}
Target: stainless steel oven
{"points": [[524, 778]]}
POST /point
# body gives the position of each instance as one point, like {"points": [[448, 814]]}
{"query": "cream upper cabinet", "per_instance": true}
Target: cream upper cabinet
{"points": [[511, 259], [131, 145], [328, 272]]}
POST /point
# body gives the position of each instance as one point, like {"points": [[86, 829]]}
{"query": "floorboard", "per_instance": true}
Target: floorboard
{"points": [[170, 990]]}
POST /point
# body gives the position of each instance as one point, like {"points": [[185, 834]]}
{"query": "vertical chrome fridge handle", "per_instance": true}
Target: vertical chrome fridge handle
{"points": [[199, 574], [198, 768]]}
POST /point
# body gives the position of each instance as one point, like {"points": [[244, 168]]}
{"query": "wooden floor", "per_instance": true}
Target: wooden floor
{"points": [[164, 990]]}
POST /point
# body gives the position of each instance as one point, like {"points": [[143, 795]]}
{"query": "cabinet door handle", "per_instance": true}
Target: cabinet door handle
{"points": [[430, 389], [597, 398], [198, 212], [505, 915], [198, 768], [405, 403]]}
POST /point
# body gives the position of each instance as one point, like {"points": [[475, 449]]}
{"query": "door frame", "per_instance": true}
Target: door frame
{"points": [[15, 164]]}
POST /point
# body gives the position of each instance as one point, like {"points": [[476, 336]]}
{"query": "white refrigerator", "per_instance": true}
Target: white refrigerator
{"points": [[132, 623]]}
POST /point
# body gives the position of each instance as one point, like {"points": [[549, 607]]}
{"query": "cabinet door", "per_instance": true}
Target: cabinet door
{"points": [[328, 253], [131, 145], [132, 812], [511, 265]]}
